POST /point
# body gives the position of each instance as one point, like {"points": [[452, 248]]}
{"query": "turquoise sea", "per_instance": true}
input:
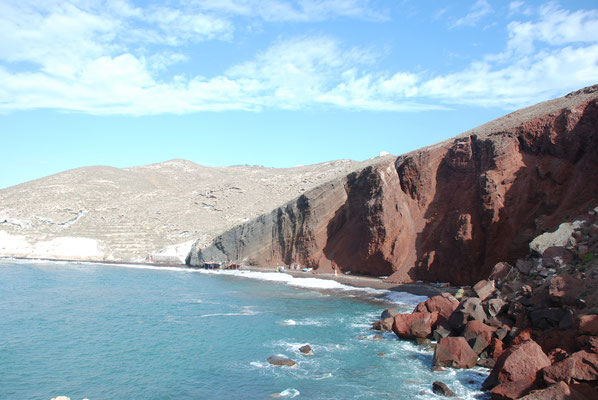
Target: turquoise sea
{"points": [[131, 332]]}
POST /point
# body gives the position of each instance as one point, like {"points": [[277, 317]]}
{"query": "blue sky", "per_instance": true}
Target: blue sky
{"points": [[271, 82]]}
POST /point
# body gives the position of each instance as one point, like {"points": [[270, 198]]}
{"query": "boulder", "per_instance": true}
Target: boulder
{"points": [[306, 350], [454, 352], [560, 238], [520, 362], [281, 360], [500, 271], [588, 325], [511, 390], [384, 325], [496, 348], [556, 257], [558, 391], [478, 335], [494, 306], [469, 309], [581, 366], [565, 290], [441, 389], [442, 330], [388, 313], [444, 304], [484, 288], [414, 325]]}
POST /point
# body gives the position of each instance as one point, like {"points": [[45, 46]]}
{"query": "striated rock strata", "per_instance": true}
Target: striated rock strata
{"points": [[446, 213]]}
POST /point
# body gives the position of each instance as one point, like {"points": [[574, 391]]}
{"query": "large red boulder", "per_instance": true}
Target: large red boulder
{"points": [[454, 352], [581, 366], [521, 362], [414, 325], [444, 304], [559, 391]]}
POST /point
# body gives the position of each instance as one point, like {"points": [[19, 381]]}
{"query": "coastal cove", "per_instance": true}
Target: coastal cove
{"points": [[107, 331]]}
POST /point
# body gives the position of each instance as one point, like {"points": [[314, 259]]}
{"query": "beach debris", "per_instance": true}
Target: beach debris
{"points": [[441, 389], [281, 361], [306, 350]]}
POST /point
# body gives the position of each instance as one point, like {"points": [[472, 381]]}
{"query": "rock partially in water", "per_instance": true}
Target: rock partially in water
{"points": [[281, 361], [306, 350], [441, 389]]}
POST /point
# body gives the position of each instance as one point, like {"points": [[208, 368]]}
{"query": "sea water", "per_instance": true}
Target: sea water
{"points": [[132, 332]]}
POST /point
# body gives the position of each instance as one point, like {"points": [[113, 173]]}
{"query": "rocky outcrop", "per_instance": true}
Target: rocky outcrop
{"points": [[445, 213]]}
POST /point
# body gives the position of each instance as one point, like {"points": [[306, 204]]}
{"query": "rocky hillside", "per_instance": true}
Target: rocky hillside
{"points": [[446, 213], [155, 211]]}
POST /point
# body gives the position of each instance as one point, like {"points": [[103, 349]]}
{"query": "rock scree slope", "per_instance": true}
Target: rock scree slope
{"points": [[445, 213]]}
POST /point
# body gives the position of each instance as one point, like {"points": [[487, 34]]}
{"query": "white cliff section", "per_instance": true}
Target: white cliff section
{"points": [[176, 253], [70, 248]]}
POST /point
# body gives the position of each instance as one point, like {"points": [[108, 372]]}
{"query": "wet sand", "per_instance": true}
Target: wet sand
{"points": [[420, 289]]}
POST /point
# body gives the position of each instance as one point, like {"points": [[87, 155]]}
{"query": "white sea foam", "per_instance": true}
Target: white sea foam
{"points": [[288, 322], [305, 283], [287, 393]]}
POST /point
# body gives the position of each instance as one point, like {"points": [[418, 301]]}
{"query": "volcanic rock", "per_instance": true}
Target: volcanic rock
{"points": [[588, 324], [511, 390], [306, 350], [470, 309], [441, 389], [444, 304], [281, 360], [388, 313], [454, 352], [494, 306], [414, 325], [558, 391], [446, 213], [500, 271], [484, 288], [581, 366], [520, 362], [478, 335]]}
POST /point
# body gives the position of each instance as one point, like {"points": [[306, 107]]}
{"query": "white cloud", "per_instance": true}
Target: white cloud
{"points": [[479, 10], [555, 27], [94, 58]]}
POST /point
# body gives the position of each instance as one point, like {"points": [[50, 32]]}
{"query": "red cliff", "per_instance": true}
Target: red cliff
{"points": [[446, 213]]}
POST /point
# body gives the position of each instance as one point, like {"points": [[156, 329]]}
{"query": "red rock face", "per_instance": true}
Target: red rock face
{"points": [[444, 213]]}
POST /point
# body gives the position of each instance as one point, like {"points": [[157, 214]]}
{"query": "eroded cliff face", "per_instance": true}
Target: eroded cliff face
{"points": [[444, 213]]}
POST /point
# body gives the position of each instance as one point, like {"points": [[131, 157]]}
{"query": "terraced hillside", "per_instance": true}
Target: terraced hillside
{"points": [[152, 212]]}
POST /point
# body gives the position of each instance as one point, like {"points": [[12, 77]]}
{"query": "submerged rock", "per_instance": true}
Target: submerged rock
{"points": [[281, 360]]}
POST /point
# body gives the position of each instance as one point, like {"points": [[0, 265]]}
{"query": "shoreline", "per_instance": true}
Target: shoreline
{"points": [[358, 281]]}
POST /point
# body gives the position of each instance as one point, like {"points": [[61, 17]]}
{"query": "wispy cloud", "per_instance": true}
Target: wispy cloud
{"points": [[479, 10], [101, 61]]}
